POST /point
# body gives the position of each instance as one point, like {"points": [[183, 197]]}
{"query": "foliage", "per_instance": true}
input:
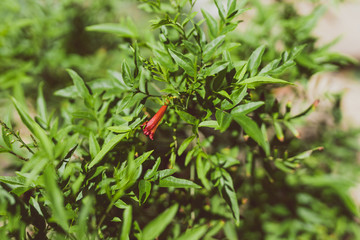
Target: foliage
{"points": [[225, 161]]}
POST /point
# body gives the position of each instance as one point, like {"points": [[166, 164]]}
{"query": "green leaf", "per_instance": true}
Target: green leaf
{"points": [[163, 57], [211, 23], [247, 108], [18, 180], [221, 9], [191, 47], [251, 128], [230, 231], [84, 115], [224, 119], [5, 135], [231, 7], [311, 108], [151, 172], [260, 80], [126, 227], [144, 189], [68, 92], [280, 70], [282, 166], [94, 146], [241, 70], [278, 131], [224, 94], [55, 198], [20, 190], [35, 166], [202, 168], [36, 206], [120, 83], [108, 147], [193, 233], [165, 173], [338, 183], [137, 58], [296, 51], [121, 204], [41, 103], [218, 82], [143, 87], [234, 205], [85, 211], [305, 154], [116, 220], [236, 97], [189, 156], [214, 230], [216, 68], [139, 160], [175, 182], [185, 144], [209, 123], [211, 47], [81, 88], [45, 142], [153, 229], [187, 117], [119, 129], [255, 60], [126, 73], [118, 29], [291, 127], [184, 62], [270, 66]]}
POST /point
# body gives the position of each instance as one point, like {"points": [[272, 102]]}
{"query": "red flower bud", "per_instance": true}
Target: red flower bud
{"points": [[149, 127]]}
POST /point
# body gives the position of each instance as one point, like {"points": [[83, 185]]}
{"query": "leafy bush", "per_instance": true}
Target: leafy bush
{"points": [[225, 159]]}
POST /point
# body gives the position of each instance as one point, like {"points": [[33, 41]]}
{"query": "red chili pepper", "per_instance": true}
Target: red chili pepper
{"points": [[149, 127]]}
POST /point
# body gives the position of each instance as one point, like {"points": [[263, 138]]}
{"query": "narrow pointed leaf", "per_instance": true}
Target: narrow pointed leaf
{"points": [[108, 146], [114, 28], [185, 144], [255, 60], [177, 183], [184, 62], [261, 80], [55, 197], [251, 128], [126, 227], [211, 47], [209, 123], [247, 108], [153, 229], [193, 233]]}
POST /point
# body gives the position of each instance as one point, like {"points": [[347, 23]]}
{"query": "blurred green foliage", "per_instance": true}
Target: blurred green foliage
{"points": [[226, 161]]}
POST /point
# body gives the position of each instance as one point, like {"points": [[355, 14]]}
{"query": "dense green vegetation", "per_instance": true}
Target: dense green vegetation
{"points": [[93, 80]]}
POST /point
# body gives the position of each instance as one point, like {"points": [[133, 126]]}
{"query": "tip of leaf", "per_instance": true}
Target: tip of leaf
{"points": [[316, 103]]}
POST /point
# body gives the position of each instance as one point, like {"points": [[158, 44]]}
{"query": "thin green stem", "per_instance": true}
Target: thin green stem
{"points": [[15, 154], [16, 135]]}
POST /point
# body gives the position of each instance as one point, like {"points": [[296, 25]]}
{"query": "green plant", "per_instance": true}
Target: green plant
{"points": [[223, 146]]}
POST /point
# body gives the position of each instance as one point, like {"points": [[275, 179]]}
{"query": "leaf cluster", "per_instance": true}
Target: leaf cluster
{"points": [[222, 164]]}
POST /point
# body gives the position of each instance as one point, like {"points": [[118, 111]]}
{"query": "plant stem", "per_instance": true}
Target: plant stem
{"points": [[15, 154], [17, 136]]}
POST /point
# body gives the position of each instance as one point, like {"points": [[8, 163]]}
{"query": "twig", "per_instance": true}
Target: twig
{"points": [[15, 154], [17, 136]]}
